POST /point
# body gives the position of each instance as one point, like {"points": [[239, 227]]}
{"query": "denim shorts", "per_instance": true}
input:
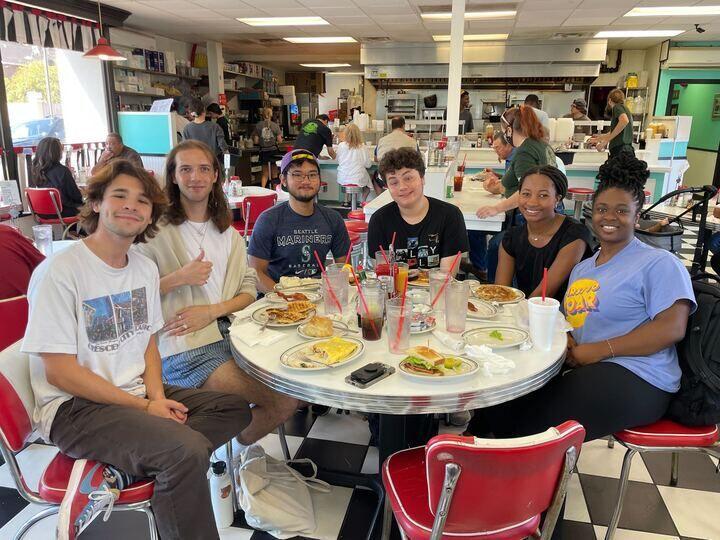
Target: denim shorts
{"points": [[190, 369]]}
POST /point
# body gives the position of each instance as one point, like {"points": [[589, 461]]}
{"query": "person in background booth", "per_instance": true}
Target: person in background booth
{"points": [[546, 239], [95, 369], [116, 149], [626, 321], [48, 172]]}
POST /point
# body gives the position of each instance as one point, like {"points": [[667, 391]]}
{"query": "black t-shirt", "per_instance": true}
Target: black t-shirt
{"points": [[440, 234], [530, 261], [313, 136], [59, 177]]}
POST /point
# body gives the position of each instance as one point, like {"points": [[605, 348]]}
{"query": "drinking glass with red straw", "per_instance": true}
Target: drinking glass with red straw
{"points": [[364, 302], [347, 257], [544, 283], [329, 285], [456, 260], [402, 315], [387, 261]]}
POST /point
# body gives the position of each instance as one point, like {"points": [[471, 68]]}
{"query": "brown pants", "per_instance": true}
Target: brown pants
{"points": [[175, 455]]}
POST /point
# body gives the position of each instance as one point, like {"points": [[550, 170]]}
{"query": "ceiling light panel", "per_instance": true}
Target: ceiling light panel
{"points": [[283, 21], [325, 65], [321, 39], [470, 15], [638, 33], [474, 37], [673, 11]]}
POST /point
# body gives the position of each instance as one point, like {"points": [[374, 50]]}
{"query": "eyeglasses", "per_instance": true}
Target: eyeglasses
{"points": [[300, 176]]}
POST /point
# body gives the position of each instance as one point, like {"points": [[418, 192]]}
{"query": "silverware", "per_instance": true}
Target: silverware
{"points": [[264, 325]]}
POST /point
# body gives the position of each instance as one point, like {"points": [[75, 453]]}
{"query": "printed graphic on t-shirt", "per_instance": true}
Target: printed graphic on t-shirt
{"points": [[303, 264], [423, 256], [581, 300], [267, 135], [113, 319], [310, 128]]}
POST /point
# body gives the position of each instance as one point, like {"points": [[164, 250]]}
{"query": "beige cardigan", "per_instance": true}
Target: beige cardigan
{"points": [[168, 251]]}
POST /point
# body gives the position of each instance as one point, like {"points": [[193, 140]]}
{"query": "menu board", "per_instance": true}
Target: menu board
{"points": [[9, 193]]}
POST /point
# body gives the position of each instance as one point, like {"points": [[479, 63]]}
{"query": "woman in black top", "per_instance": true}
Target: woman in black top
{"points": [[548, 240], [48, 172]]}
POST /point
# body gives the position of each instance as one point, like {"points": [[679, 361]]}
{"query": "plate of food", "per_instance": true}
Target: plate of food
{"points": [[294, 283], [418, 278], [498, 293], [280, 297], [478, 309], [322, 327], [322, 354], [422, 363], [496, 337], [282, 316], [423, 319]]}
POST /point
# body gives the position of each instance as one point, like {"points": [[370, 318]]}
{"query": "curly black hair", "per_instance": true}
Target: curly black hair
{"points": [[401, 158], [555, 175], [625, 172]]}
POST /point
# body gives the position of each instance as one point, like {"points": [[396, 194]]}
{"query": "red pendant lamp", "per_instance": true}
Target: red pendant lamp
{"points": [[103, 50]]}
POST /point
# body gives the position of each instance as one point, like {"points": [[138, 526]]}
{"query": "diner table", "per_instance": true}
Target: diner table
{"points": [[236, 200], [398, 395]]}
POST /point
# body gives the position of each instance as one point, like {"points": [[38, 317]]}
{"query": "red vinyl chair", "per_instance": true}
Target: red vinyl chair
{"points": [[252, 207], [13, 319], [662, 436], [46, 201], [482, 489], [17, 402]]}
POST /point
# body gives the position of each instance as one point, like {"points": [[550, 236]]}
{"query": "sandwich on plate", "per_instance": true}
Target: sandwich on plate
{"points": [[426, 361]]}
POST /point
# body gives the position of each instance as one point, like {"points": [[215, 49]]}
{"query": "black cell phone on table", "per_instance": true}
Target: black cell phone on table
{"points": [[369, 374]]}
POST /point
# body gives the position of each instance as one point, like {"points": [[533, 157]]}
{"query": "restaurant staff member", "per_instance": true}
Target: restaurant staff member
{"points": [[578, 112], [214, 112], [533, 101], [314, 134], [621, 127], [465, 112]]}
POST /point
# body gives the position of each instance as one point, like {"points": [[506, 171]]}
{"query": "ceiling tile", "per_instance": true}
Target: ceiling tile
{"points": [[327, 3], [538, 5], [275, 11], [222, 4], [549, 18], [588, 21]]}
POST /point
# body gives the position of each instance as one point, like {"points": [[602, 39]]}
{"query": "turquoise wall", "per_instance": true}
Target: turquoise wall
{"points": [[696, 100], [666, 75]]}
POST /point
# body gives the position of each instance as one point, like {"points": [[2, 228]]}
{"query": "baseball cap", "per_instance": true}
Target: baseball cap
{"points": [[580, 104], [296, 155]]}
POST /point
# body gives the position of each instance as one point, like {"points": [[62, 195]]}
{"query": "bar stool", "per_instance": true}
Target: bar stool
{"points": [[360, 228], [356, 215], [662, 436], [579, 196], [356, 252], [354, 191]]}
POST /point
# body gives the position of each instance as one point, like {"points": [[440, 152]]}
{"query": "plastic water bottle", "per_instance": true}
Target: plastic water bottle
{"points": [[221, 495]]}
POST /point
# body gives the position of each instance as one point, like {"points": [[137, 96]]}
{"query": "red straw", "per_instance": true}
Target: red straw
{"points": [[402, 314], [392, 242], [329, 286], [364, 302], [387, 261], [447, 278], [347, 257], [544, 283]]}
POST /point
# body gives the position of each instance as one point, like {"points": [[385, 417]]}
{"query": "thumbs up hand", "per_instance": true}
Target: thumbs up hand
{"points": [[197, 271]]}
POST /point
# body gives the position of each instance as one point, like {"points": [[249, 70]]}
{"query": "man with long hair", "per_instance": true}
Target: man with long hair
{"points": [[96, 375], [204, 277]]}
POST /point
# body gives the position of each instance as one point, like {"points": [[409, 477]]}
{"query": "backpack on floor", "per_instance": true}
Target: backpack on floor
{"points": [[698, 401]]}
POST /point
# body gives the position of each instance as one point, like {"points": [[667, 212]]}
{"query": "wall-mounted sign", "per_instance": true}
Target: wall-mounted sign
{"points": [[716, 107], [222, 99]]}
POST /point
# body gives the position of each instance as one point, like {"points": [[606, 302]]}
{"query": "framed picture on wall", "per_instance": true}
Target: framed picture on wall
{"points": [[716, 107]]}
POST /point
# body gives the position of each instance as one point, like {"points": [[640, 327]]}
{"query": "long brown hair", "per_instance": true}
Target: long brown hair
{"points": [[48, 154], [218, 208], [99, 183], [524, 120]]}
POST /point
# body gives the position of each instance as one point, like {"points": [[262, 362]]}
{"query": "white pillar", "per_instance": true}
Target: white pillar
{"points": [[457, 31], [216, 61]]}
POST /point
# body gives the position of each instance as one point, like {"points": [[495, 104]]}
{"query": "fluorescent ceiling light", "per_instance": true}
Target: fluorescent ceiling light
{"points": [[474, 15], [673, 11], [321, 39], [637, 33], [283, 21], [339, 73], [475, 37], [325, 65]]}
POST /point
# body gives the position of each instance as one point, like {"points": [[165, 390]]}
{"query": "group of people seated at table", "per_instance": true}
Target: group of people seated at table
{"points": [[128, 331]]}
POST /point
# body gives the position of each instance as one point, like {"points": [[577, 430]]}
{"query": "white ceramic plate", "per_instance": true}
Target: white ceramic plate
{"points": [[294, 359], [275, 298], [260, 316], [424, 330], [519, 295], [339, 330], [510, 336], [307, 284], [484, 310], [470, 368]]}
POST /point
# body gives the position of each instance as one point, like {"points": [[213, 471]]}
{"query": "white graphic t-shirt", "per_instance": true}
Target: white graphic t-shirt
{"points": [[105, 316]]}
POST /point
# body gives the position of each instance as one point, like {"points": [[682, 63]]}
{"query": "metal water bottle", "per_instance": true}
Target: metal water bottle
{"points": [[221, 495]]}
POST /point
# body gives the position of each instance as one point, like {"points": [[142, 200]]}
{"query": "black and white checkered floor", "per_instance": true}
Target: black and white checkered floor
{"points": [[653, 510]]}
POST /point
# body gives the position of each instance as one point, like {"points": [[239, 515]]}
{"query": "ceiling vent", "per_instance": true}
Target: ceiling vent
{"points": [[569, 35], [376, 39], [271, 41]]}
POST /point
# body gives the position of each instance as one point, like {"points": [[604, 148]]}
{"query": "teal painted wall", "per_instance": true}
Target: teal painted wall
{"points": [[666, 75], [146, 134], [696, 100]]}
